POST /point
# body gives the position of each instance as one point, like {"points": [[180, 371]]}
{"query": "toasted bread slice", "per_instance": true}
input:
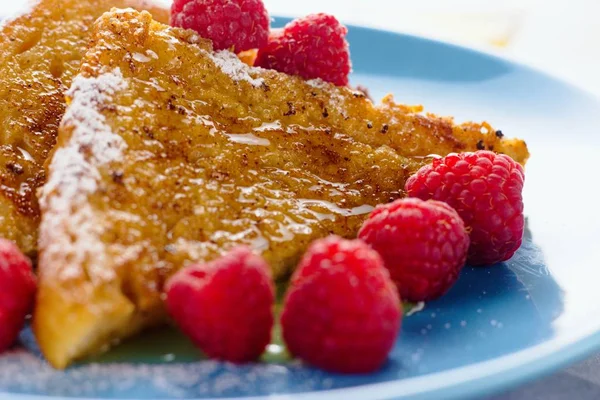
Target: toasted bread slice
{"points": [[39, 54], [170, 153]]}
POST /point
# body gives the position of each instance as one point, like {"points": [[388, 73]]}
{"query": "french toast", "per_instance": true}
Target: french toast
{"points": [[39, 55], [170, 153]]}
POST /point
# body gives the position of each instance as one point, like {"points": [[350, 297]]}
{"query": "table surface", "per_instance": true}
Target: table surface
{"points": [[526, 30]]}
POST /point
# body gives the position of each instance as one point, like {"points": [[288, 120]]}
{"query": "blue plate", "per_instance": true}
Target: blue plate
{"points": [[498, 327]]}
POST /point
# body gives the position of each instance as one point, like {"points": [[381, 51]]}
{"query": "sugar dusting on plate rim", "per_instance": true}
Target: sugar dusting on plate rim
{"points": [[170, 380]]}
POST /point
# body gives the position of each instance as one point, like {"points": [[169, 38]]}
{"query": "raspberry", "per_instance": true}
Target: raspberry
{"points": [[311, 47], [17, 292], [423, 244], [238, 24], [486, 190], [342, 312], [226, 306]]}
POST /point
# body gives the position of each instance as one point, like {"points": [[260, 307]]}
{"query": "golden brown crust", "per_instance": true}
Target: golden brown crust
{"points": [[39, 54], [170, 153]]}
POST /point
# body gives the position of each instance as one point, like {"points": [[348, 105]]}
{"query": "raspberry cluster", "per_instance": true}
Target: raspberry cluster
{"points": [[311, 47]]}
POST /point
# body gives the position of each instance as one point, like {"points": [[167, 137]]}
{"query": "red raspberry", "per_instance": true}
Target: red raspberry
{"points": [[423, 244], [311, 47], [17, 292], [238, 24], [342, 312], [486, 190], [226, 306]]}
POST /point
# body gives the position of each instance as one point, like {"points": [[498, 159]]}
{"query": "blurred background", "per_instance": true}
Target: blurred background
{"points": [[561, 37]]}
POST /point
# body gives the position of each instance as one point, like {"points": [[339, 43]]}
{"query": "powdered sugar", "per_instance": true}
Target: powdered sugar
{"points": [[92, 132], [186, 376], [74, 175], [336, 99], [317, 83], [24, 372], [232, 66], [226, 60]]}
